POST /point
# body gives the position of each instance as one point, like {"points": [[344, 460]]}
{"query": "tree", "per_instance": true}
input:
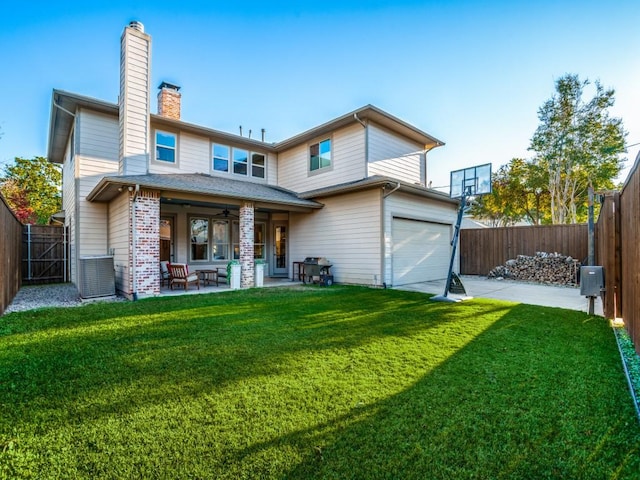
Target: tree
{"points": [[32, 189], [577, 145], [518, 193]]}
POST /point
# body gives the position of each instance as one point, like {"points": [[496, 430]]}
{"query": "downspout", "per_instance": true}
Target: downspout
{"points": [[133, 241], [55, 104], [365, 125], [383, 223], [427, 150]]}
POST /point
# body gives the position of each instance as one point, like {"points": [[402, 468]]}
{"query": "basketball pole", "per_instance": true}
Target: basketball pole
{"points": [[454, 243]]}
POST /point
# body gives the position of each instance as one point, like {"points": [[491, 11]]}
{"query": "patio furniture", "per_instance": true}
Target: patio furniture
{"points": [[165, 276], [180, 276], [208, 276]]}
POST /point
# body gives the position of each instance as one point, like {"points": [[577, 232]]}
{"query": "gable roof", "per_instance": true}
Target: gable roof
{"points": [[368, 112], [381, 182], [64, 106], [201, 184]]}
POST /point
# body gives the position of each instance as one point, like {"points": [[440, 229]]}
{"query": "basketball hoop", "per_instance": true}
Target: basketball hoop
{"points": [[465, 183]]}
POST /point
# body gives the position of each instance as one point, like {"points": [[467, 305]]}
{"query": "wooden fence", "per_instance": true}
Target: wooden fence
{"points": [[10, 255], [45, 254], [618, 250], [482, 249]]}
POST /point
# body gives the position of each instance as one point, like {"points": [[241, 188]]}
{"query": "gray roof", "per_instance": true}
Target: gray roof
{"points": [[378, 181], [201, 184]]}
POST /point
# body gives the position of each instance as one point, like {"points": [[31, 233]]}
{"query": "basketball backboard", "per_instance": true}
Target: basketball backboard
{"points": [[471, 181]]}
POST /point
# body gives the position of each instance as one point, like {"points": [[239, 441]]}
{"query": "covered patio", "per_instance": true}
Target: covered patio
{"points": [[200, 220]]}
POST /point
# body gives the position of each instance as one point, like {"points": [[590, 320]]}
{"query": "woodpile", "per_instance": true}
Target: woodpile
{"points": [[549, 268]]}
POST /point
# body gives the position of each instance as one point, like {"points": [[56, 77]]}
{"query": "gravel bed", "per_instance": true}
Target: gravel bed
{"points": [[53, 295]]}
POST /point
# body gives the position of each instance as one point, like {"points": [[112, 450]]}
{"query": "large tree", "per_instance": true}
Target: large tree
{"points": [[577, 144], [32, 189]]}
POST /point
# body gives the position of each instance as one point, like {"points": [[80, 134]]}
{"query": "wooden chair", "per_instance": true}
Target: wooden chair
{"points": [[180, 276]]}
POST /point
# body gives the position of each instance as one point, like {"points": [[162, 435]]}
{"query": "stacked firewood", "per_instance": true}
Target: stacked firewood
{"points": [[549, 268]]}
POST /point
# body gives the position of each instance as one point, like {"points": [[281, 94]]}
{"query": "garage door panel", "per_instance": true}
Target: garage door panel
{"points": [[421, 251]]}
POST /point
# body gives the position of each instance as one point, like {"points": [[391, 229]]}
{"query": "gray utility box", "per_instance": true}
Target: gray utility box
{"points": [[591, 281]]}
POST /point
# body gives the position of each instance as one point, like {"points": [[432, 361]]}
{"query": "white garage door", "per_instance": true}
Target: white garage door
{"points": [[421, 251]]}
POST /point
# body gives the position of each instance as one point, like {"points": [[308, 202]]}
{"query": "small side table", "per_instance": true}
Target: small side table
{"points": [[298, 267], [209, 276]]}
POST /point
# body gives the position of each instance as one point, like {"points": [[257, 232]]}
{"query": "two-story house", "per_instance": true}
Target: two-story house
{"points": [[147, 187]]}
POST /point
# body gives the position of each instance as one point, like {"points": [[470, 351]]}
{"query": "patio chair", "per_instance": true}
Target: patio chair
{"points": [[180, 276], [165, 276]]}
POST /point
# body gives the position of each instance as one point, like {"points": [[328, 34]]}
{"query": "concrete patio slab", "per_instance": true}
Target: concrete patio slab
{"points": [[512, 291]]}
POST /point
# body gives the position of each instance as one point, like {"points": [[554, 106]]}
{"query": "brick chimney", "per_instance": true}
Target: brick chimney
{"points": [[169, 101]]}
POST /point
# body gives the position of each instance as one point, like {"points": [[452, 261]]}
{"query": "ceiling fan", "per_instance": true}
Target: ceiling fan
{"points": [[226, 214]]}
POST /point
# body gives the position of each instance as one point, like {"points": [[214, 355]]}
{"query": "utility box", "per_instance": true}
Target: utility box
{"points": [[591, 281]]}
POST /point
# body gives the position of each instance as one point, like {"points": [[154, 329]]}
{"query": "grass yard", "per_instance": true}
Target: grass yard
{"points": [[340, 382]]}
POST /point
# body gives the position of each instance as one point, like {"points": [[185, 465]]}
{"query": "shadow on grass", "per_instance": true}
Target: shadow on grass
{"points": [[563, 414]]}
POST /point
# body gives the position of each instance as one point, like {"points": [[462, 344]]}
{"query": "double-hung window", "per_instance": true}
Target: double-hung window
{"points": [[220, 239], [240, 161], [257, 165], [166, 146], [320, 155], [221, 156]]}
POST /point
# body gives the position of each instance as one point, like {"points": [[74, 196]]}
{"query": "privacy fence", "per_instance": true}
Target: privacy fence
{"points": [[482, 249], [10, 255], [618, 250]]}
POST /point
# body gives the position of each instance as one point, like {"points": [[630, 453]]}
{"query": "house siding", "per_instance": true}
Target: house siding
{"points": [[69, 205], [348, 162], [394, 156], [96, 156], [135, 82], [347, 232], [119, 240], [411, 208]]}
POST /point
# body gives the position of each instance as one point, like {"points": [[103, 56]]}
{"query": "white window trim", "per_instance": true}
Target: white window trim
{"points": [[176, 149], [320, 170]]}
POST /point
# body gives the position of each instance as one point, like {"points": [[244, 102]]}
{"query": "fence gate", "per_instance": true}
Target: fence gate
{"points": [[44, 254]]}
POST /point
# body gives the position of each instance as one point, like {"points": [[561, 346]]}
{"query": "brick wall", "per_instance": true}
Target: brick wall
{"points": [[246, 245], [146, 242]]}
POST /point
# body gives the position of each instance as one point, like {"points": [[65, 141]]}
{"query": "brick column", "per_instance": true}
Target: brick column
{"points": [[146, 242], [246, 245]]}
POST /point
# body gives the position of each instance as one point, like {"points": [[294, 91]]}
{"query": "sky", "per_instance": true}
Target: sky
{"points": [[471, 73]]}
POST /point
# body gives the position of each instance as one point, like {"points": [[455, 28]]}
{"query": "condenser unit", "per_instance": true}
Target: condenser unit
{"points": [[97, 278]]}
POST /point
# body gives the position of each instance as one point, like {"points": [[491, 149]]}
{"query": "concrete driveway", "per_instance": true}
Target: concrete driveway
{"points": [[531, 293]]}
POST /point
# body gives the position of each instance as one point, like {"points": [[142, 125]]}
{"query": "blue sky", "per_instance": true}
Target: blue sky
{"points": [[470, 73]]}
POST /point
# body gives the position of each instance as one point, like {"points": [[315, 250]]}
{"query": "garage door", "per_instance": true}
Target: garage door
{"points": [[421, 251]]}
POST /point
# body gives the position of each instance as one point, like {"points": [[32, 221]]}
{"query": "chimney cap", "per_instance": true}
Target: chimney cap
{"points": [[137, 25], [169, 85]]}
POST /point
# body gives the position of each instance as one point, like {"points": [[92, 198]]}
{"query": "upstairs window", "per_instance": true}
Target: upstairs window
{"points": [[240, 161], [166, 147], [257, 165], [320, 155], [221, 155]]}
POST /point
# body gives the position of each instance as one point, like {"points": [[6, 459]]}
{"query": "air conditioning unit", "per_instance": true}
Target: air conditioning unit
{"points": [[97, 278]]}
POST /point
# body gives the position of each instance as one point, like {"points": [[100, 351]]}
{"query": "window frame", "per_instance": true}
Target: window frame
{"points": [[320, 168], [214, 157], [174, 149], [193, 243], [235, 165]]}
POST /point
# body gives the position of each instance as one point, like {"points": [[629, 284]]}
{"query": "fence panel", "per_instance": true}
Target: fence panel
{"points": [[607, 246], [11, 254], [482, 249], [630, 254], [45, 254]]}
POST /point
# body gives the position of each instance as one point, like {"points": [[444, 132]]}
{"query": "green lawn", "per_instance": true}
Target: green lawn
{"points": [[340, 382]]}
